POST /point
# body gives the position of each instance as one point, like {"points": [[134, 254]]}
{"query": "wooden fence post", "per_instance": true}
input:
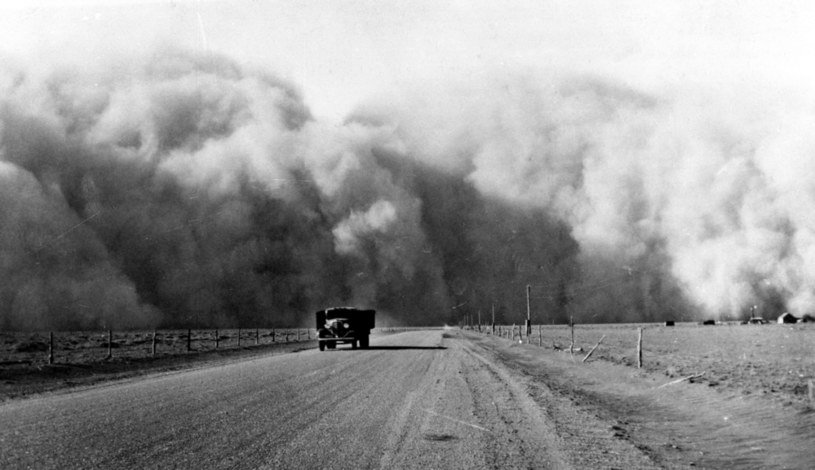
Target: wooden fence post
{"points": [[571, 325], [110, 344], [257, 336], [189, 340], [273, 335], [540, 336], [595, 347], [51, 350], [153, 349], [639, 349], [811, 387], [217, 338], [239, 337], [298, 335]]}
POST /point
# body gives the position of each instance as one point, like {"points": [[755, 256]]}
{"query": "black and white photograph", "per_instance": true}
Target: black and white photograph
{"points": [[360, 234]]}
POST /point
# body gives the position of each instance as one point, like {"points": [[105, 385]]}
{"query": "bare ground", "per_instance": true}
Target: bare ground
{"points": [[21, 379], [678, 425], [597, 412]]}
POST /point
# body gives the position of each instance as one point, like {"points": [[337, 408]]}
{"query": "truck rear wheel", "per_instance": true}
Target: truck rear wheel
{"points": [[363, 342], [331, 345], [322, 346]]}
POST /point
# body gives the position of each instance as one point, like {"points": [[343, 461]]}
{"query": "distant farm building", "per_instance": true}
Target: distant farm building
{"points": [[807, 318], [787, 317]]}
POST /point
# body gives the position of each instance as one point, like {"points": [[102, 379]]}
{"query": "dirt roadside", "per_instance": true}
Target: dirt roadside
{"points": [[21, 380], [548, 429], [679, 425]]}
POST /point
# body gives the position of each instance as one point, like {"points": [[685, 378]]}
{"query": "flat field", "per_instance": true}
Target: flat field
{"points": [[773, 361], [777, 361], [85, 347], [84, 357]]}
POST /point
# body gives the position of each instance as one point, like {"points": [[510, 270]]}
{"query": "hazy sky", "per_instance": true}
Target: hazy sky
{"points": [[340, 52]]}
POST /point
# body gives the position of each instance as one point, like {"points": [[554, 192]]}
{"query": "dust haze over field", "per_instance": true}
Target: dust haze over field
{"points": [[181, 188]]}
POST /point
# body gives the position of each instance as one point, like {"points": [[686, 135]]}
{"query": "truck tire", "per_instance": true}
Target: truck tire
{"points": [[363, 342], [331, 345], [322, 346], [354, 344]]}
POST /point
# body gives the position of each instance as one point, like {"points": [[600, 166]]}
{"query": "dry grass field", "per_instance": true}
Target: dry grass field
{"points": [[84, 357], [776, 361], [86, 347]]}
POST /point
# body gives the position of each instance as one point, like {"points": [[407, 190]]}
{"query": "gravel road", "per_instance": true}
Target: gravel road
{"points": [[420, 399]]}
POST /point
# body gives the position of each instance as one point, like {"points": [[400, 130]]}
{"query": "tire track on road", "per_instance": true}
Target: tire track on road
{"points": [[571, 437]]}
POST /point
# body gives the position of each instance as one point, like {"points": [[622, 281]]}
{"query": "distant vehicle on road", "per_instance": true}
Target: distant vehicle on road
{"points": [[344, 325], [757, 321]]}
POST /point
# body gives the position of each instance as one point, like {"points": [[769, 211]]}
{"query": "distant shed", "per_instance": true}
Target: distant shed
{"points": [[807, 318], [787, 317]]}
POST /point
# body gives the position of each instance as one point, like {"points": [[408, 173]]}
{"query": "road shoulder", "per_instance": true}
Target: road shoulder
{"points": [[680, 425]]}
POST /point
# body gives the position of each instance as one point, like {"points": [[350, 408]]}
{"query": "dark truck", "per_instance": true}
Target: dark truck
{"points": [[344, 325]]}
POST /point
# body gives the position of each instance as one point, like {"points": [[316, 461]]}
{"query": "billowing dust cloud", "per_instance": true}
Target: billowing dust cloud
{"points": [[704, 200], [187, 190]]}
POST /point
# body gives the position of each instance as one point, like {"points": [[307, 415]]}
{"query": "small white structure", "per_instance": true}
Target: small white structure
{"points": [[787, 317]]}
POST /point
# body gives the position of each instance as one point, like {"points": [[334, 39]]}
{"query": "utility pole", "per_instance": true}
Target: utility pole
{"points": [[528, 310]]}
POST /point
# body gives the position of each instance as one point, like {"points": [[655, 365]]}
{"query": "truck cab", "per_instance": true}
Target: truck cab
{"points": [[346, 325]]}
